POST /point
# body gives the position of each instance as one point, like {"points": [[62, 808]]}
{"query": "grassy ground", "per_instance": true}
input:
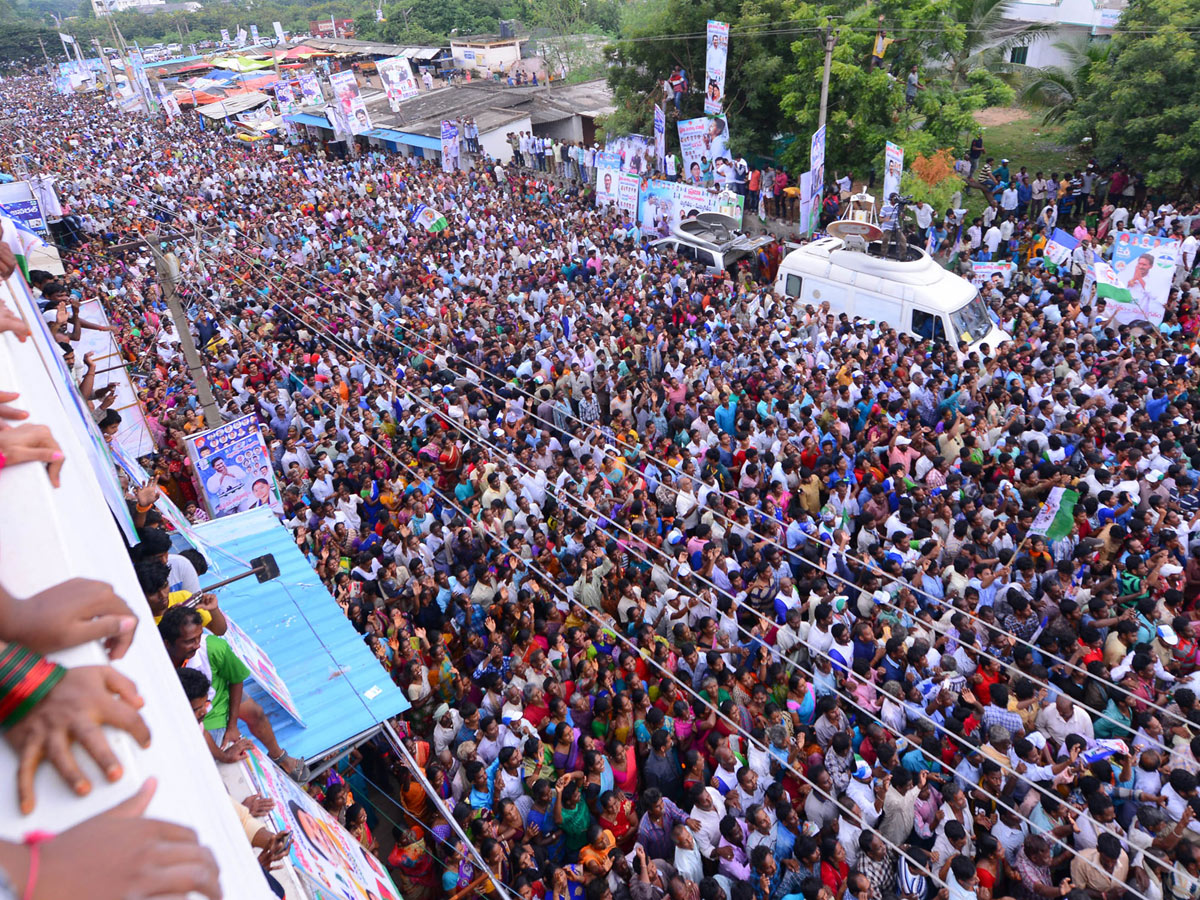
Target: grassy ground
{"points": [[1022, 139]]}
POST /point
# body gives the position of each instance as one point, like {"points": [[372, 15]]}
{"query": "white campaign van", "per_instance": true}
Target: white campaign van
{"points": [[915, 294]]}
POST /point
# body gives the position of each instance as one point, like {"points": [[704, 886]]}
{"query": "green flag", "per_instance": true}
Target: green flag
{"points": [[1056, 519]]}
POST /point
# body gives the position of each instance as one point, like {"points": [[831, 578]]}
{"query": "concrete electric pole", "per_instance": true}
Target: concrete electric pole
{"points": [[829, 38], [168, 271]]}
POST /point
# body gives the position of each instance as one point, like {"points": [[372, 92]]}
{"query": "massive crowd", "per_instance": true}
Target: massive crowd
{"points": [[696, 591]]}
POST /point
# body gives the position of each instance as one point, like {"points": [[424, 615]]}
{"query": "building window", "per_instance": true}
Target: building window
{"points": [[1018, 55]]}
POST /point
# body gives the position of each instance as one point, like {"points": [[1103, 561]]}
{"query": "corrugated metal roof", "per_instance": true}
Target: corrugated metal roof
{"points": [[338, 686]]}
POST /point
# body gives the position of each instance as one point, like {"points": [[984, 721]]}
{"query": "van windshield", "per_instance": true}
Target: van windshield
{"points": [[971, 322]]}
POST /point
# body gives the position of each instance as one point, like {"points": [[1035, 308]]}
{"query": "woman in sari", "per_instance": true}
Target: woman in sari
{"points": [[571, 813], [412, 865]]}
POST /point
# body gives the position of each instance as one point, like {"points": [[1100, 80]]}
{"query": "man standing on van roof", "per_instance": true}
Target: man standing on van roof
{"points": [[893, 228]]}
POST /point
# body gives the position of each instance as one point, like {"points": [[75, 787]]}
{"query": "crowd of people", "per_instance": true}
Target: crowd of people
{"points": [[697, 591]]}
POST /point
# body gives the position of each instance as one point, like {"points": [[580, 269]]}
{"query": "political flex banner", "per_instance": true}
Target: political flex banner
{"points": [[310, 89], [261, 668], [285, 97], [706, 138], [662, 205], [449, 146], [234, 468], [893, 168], [816, 165], [608, 183], [634, 150], [717, 44], [254, 33], [982, 273], [328, 857], [349, 101], [1144, 266], [398, 83], [660, 137]]}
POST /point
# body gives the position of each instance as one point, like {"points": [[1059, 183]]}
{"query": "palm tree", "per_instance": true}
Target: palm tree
{"points": [[990, 37], [1057, 88]]}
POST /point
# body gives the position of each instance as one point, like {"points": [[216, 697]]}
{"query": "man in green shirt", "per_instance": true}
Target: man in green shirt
{"points": [[182, 632]]}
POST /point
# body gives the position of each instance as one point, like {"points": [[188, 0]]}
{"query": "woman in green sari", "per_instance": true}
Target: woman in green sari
{"points": [[571, 813]]}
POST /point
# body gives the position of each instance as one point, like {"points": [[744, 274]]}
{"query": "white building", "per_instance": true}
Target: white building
{"points": [[486, 52], [104, 7], [1070, 19]]}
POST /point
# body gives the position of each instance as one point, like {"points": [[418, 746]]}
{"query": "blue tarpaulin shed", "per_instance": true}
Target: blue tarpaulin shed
{"points": [[342, 692], [309, 119], [405, 137]]}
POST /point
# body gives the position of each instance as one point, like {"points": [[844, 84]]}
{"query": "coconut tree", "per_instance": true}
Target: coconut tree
{"points": [[989, 36], [1056, 89]]}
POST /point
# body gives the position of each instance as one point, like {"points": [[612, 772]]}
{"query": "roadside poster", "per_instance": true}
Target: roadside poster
{"points": [[261, 668], [705, 139], [327, 856], [805, 208], [717, 51], [310, 89], [662, 205], [349, 101], [893, 168], [233, 468], [285, 97], [660, 138], [816, 166], [608, 182], [449, 146], [254, 34], [398, 82], [634, 151]]}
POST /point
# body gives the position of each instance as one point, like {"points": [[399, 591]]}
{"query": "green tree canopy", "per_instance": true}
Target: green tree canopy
{"points": [[1144, 102]]}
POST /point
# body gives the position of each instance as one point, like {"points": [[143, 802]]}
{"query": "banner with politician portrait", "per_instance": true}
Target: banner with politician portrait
{"points": [[635, 151], [349, 101], [660, 138], [398, 82], [893, 169], [816, 165], [310, 89], [717, 51], [1144, 266], [332, 862], [285, 97], [233, 468], [703, 140], [450, 147]]}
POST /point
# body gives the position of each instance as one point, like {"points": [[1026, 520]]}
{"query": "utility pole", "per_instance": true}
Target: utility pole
{"points": [[46, 56], [167, 265], [112, 78], [829, 38]]}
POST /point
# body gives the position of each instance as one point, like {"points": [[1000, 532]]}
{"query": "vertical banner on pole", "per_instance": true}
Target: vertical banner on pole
{"points": [[449, 146], [893, 168], [660, 137], [816, 166], [717, 44]]}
